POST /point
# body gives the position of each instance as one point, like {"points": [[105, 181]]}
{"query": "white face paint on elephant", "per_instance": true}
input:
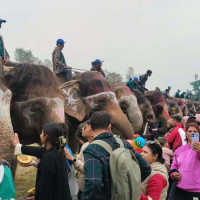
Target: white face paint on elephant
{"points": [[94, 100], [58, 112]]}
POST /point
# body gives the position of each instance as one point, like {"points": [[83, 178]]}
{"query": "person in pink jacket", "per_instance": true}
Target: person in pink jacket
{"points": [[167, 153], [187, 162]]}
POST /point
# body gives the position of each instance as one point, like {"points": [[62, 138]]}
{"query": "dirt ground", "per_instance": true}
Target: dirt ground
{"points": [[24, 180]]}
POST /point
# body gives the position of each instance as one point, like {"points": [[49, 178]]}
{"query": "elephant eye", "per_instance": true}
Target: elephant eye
{"points": [[36, 108], [101, 101]]}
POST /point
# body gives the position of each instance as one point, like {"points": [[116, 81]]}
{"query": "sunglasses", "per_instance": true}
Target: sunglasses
{"points": [[151, 142], [84, 127]]}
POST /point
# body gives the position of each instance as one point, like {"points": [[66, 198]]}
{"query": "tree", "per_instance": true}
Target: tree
{"points": [[24, 56], [37, 61], [113, 77], [48, 63], [196, 86], [130, 73]]}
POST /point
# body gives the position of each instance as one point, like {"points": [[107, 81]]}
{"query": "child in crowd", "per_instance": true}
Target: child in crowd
{"points": [[52, 173], [167, 153]]}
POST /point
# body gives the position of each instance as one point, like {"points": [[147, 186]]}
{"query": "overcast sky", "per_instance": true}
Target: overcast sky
{"points": [[162, 35]]}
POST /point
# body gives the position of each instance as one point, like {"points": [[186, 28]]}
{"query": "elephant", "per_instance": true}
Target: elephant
{"points": [[197, 106], [173, 107], [160, 109], [90, 90], [36, 100], [192, 111], [128, 103], [6, 129], [145, 108]]}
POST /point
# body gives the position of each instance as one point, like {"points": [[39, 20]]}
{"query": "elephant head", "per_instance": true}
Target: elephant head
{"points": [[160, 109], [128, 103], [6, 129], [91, 91], [29, 117], [197, 106], [145, 108], [173, 107], [36, 100], [192, 111]]}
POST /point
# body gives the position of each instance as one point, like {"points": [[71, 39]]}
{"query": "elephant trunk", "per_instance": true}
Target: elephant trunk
{"points": [[7, 149], [162, 125], [121, 124], [130, 107], [6, 131]]}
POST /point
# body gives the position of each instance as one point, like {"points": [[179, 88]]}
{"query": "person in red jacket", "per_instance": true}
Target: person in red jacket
{"points": [[156, 185], [174, 138]]}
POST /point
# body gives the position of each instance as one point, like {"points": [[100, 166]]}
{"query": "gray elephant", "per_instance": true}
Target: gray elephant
{"points": [[36, 100], [129, 105], [6, 129], [145, 107], [90, 90], [160, 109]]}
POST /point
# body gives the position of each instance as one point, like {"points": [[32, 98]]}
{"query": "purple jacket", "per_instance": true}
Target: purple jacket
{"points": [[187, 162]]}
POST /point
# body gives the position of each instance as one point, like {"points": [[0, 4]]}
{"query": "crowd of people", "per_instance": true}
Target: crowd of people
{"points": [[168, 166]]}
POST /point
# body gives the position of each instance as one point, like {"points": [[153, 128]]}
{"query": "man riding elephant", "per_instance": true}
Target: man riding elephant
{"points": [[4, 56], [97, 66], [143, 80], [59, 63], [177, 94], [134, 84]]}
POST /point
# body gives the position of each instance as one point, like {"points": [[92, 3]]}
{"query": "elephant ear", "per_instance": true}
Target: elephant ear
{"points": [[73, 102]]}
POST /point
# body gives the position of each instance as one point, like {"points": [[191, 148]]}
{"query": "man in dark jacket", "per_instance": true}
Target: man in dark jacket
{"points": [[151, 127], [97, 169], [144, 78], [134, 84], [4, 56], [58, 59], [182, 96], [177, 94], [97, 66]]}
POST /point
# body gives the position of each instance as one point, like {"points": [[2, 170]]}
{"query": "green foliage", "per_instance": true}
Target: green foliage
{"points": [[23, 56], [196, 87], [113, 77], [26, 56], [48, 63]]}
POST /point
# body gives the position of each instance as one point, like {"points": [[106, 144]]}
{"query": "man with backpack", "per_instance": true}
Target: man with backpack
{"points": [[105, 160]]}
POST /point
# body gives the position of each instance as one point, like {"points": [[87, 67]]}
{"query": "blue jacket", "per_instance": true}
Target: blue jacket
{"points": [[1, 50]]}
